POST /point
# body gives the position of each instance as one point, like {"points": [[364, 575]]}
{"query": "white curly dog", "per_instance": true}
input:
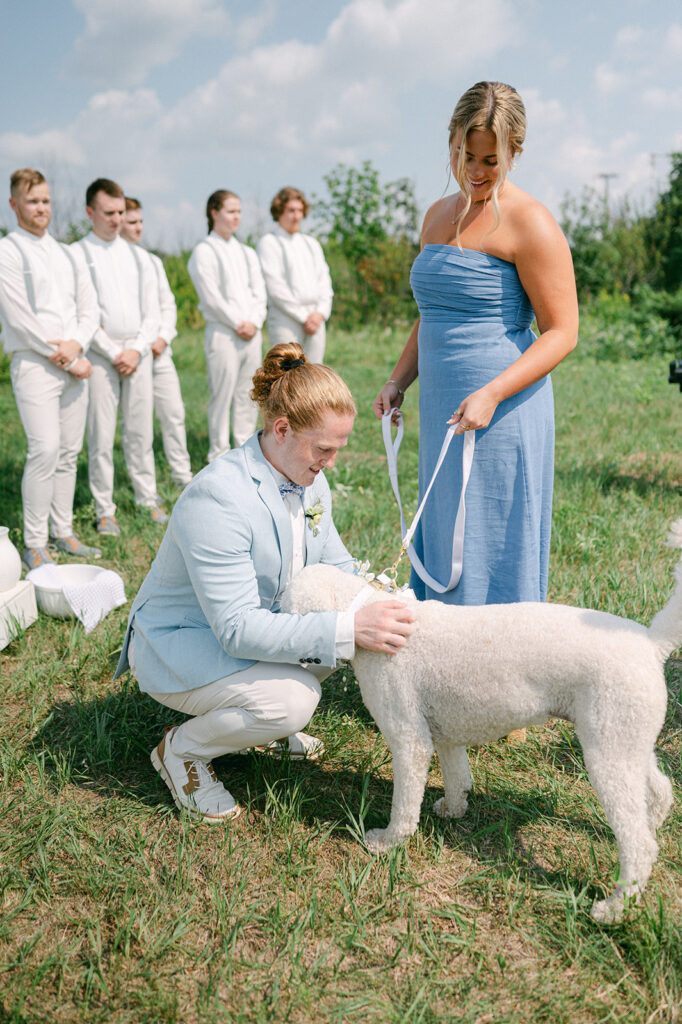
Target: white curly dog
{"points": [[470, 675]]}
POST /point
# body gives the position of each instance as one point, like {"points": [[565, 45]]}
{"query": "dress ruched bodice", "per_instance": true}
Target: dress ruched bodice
{"points": [[467, 287], [475, 322]]}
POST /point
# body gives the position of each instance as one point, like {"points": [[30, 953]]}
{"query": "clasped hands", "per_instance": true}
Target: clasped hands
{"points": [[67, 356]]}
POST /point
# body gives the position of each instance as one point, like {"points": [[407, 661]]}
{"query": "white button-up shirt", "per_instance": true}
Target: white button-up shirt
{"points": [[126, 293], [165, 310], [229, 282], [296, 274], [43, 295]]}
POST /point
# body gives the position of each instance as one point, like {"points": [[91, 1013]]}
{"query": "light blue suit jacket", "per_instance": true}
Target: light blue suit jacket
{"points": [[209, 604]]}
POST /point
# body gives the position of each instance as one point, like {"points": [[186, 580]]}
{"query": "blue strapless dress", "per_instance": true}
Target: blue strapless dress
{"points": [[475, 321]]}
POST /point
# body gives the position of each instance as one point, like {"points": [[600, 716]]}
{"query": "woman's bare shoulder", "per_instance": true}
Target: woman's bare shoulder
{"points": [[442, 208], [531, 222]]}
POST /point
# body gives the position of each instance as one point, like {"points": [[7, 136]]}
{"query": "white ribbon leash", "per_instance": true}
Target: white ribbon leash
{"points": [[392, 448]]}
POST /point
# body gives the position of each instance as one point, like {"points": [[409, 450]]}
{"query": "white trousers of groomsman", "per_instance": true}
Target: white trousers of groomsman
{"points": [[52, 406], [283, 328], [109, 390], [230, 365], [169, 407]]}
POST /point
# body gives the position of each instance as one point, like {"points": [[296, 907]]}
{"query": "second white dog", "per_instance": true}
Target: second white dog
{"points": [[470, 675]]}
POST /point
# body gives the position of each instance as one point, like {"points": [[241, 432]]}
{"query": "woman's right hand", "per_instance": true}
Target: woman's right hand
{"points": [[390, 397]]}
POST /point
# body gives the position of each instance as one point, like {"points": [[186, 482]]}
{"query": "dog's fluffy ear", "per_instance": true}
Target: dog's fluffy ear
{"points": [[320, 588]]}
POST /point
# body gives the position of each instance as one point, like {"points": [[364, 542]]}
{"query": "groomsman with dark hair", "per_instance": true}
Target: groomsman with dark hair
{"points": [[121, 357]]}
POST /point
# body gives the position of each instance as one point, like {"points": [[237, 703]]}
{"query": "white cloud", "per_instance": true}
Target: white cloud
{"points": [[251, 28], [673, 40], [609, 81], [663, 99], [124, 39], [342, 96]]}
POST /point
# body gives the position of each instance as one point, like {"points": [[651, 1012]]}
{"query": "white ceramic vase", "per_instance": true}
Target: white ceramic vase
{"points": [[10, 562]]}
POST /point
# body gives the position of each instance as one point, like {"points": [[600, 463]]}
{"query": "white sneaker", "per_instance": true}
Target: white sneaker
{"points": [[194, 784], [299, 747]]}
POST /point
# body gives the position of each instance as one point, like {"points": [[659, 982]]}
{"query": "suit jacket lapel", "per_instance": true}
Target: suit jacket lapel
{"points": [[269, 494], [313, 544]]}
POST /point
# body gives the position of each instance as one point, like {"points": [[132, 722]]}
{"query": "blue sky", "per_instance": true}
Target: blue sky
{"points": [[175, 98]]}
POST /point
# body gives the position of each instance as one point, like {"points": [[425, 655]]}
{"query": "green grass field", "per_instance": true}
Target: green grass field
{"points": [[115, 909]]}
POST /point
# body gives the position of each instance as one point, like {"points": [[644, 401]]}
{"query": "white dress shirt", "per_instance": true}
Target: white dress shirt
{"points": [[168, 311], [296, 274], [229, 282], [43, 295], [126, 292], [345, 622]]}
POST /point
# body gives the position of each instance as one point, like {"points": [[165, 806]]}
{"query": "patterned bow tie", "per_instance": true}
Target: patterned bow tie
{"points": [[290, 488]]}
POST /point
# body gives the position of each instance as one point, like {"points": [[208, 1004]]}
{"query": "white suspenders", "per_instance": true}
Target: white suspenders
{"points": [[286, 257], [140, 273], [221, 268], [28, 273]]}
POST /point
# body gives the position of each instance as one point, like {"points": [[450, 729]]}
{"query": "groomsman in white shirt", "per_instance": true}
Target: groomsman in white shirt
{"points": [[121, 357], [168, 404], [296, 276], [232, 300], [49, 314]]}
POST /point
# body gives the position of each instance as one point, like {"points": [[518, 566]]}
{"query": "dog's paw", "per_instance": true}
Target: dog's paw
{"points": [[611, 910], [378, 840], [446, 810]]}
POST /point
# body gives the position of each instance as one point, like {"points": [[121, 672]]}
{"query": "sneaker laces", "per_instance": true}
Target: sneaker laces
{"points": [[203, 782]]}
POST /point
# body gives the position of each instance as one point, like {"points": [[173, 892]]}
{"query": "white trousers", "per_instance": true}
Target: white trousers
{"points": [[265, 702], [230, 365], [282, 328], [169, 408], [109, 390], [52, 407]]}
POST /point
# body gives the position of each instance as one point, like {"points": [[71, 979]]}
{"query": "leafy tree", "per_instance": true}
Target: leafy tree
{"points": [[665, 229], [189, 317], [75, 230], [612, 251], [369, 232]]}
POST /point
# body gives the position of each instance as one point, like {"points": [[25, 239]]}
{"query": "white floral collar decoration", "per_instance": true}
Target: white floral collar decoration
{"points": [[314, 516], [383, 580]]}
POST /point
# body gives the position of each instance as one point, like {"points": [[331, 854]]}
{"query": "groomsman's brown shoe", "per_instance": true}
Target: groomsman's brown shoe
{"points": [[73, 545], [33, 558], [108, 526]]}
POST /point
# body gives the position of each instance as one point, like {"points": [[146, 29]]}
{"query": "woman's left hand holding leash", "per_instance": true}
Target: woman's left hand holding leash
{"points": [[474, 412]]}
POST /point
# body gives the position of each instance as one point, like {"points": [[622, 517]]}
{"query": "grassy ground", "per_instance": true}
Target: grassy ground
{"points": [[114, 909]]}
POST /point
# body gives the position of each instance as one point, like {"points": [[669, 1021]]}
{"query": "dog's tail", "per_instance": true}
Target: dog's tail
{"points": [[666, 627]]}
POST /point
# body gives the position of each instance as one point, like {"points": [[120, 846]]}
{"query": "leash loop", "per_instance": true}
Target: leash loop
{"points": [[392, 447]]}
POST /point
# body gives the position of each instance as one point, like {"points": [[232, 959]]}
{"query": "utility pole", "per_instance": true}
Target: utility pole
{"points": [[606, 178], [653, 157]]}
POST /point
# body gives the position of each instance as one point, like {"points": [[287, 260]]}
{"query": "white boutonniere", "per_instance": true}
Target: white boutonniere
{"points": [[314, 516]]}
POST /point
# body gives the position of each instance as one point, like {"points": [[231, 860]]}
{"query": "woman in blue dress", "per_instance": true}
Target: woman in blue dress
{"points": [[492, 258]]}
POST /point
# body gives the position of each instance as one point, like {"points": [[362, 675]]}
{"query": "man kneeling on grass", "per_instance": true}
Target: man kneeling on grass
{"points": [[205, 635]]}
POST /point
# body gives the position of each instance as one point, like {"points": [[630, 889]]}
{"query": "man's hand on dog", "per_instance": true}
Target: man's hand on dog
{"points": [[384, 626]]}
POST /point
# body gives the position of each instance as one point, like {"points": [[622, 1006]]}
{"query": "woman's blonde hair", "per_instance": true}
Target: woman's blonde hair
{"points": [[288, 385], [488, 107]]}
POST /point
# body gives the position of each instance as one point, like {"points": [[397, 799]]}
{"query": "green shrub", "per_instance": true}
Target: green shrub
{"points": [[613, 326], [189, 317]]}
